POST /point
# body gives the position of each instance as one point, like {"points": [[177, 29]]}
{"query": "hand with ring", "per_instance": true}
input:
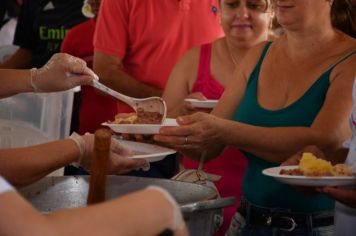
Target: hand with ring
{"points": [[196, 132]]}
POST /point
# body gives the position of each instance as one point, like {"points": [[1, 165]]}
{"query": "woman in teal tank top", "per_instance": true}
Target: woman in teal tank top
{"points": [[285, 95]]}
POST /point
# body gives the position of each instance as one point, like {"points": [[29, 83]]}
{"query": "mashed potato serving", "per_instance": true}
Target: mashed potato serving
{"points": [[310, 165]]}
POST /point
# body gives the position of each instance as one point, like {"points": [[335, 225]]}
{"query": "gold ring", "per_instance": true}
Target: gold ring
{"points": [[186, 140]]}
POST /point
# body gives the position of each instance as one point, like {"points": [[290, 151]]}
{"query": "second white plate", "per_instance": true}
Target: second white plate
{"points": [[140, 128], [308, 181], [146, 151], [202, 103]]}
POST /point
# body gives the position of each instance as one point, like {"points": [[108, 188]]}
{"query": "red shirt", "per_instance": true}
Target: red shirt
{"points": [[150, 36], [95, 107]]}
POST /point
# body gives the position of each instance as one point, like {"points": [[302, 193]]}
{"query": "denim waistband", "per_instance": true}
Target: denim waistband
{"points": [[283, 219]]}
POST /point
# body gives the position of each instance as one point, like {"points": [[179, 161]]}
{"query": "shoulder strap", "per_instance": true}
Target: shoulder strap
{"points": [[340, 60], [204, 60], [263, 54]]}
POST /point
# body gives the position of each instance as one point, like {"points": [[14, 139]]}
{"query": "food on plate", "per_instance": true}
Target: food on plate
{"points": [[313, 166], [341, 170], [310, 165], [141, 117]]}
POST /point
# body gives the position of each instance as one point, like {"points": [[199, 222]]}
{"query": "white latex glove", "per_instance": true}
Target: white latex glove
{"points": [[62, 72], [119, 157], [178, 224]]}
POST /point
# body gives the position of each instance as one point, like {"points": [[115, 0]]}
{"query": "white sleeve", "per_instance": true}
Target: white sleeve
{"points": [[346, 144], [5, 186]]}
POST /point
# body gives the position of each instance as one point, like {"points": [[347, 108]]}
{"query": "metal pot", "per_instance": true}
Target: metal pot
{"points": [[200, 204]]}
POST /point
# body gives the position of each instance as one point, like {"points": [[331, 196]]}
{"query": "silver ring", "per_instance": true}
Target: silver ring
{"points": [[186, 140]]}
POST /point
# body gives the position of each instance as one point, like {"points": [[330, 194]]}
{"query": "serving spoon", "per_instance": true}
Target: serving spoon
{"points": [[150, 104]]}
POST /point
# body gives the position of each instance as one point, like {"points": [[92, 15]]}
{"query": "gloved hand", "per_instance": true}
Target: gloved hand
{"points": [[177, 225], [62, 72], [119, 156]]}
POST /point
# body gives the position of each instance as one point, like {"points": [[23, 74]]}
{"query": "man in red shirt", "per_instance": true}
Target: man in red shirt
{"points": [[137, 43]]}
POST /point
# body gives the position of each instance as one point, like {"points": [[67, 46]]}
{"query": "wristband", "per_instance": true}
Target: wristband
{"points": [[177, 222], [5, 186], [80, 144], [33, 73]]}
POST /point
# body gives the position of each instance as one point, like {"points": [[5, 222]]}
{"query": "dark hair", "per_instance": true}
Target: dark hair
{"points": [[343, 16]]}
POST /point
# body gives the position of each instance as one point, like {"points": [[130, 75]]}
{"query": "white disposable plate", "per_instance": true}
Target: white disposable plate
{"points": [[308, 181], [140, 128], [146, 151], [202, 103]]}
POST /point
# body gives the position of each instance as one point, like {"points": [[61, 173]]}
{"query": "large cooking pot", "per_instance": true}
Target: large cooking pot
{"points": [[200, 204]]}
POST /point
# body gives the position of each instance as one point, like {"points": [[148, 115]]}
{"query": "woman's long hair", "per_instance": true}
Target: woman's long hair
{"points": [[343, 16]]}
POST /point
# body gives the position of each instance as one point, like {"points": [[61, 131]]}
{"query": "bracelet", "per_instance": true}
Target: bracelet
{"points": [[177, 222], [80, 144], [33, 73]]}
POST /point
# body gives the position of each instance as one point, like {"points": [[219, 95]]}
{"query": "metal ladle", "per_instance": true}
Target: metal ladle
{"points": [[150, 104]]}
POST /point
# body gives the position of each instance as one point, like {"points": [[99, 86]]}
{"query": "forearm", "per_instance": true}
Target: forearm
{"points": [[21, 59], [111, 73], [12, 82], [126, 84], [276, 144], [33, 163], [20, 218], [142, 213]]}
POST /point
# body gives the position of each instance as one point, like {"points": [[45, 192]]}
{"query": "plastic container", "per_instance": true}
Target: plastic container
{"points": [[28, 119]]}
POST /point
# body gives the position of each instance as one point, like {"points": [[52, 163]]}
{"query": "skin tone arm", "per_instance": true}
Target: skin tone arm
{"points": [[180, 84], [61, 72], [273, 144], [111, 73], [145, 213], [21, 59], [35, 162], [14, 81]]}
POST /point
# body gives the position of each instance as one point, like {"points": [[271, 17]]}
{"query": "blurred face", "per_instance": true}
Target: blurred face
{"points": [[94, 4], [245, 20], [293, 14]]}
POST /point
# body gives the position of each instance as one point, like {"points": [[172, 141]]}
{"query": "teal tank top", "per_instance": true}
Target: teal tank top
{"points": [[266, 191]]}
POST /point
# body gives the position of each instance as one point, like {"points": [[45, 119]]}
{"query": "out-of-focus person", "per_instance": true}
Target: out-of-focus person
{"points": [[137, 43], [287, 93], [204, 71]]}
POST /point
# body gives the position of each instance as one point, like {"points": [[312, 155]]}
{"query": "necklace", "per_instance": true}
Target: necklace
{"points": [[232, 58]]}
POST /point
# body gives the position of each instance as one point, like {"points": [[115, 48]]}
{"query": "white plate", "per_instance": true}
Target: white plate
{"points": [[308, 181], [140, 128], [202, 103], [146, 151]]}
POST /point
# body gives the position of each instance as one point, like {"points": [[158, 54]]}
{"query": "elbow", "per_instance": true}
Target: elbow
{"points": [[330, 141]]}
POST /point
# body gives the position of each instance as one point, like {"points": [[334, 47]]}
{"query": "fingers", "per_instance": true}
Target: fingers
{"points": [[90, 73], [189, 119], [77, 65], [120, 164], [175, 130], [345, 196], [293, 160], [119, 149], [197, 95]]}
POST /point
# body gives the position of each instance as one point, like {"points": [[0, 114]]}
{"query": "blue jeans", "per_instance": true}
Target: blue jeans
{"points": [[250, 222]]}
